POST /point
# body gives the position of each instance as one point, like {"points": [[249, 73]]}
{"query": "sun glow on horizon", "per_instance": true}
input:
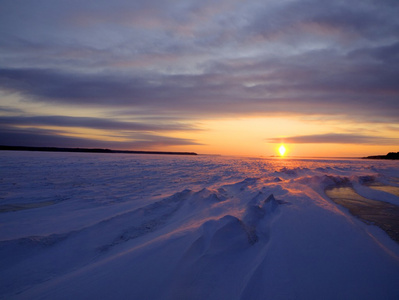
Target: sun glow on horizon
{"points": [[260, 136], [282, 150]]}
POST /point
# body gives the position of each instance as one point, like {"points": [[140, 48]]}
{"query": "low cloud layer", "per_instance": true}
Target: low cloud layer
{"points": [[336, 138], [90, 122], [37, 137]]}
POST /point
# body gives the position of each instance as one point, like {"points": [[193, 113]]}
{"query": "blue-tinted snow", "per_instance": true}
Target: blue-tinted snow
{"points": [[203, 227]]}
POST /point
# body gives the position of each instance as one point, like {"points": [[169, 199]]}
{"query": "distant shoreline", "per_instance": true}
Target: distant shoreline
{"points": [[88, 150], [390, 155]]}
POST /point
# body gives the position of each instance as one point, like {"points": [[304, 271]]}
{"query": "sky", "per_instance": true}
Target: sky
{"points": [[213, 77]]}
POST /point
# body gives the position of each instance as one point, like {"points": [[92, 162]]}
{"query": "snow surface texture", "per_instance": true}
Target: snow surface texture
{"points": [[107, 226]]}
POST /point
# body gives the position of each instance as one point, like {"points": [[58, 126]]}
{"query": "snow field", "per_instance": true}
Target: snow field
{"points": [[161, 227]]}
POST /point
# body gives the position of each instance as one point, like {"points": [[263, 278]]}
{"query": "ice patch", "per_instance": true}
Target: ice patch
{"points": [[382, 214]]}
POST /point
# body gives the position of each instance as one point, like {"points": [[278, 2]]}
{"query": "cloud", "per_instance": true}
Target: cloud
{"points": [[385, 53], [367, 91], [10, 110], [37, 137], [92, 123], [321, 20], [336, 138], [55, 131]]}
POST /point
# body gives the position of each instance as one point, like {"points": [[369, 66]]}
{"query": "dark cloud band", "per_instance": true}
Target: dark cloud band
{"points": [[335, 138]]}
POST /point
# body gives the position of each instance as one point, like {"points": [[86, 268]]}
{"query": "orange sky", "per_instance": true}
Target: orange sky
{"points": [[249, 137]]}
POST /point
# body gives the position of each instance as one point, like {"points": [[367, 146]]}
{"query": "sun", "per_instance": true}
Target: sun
{"points": [[282, 150]]}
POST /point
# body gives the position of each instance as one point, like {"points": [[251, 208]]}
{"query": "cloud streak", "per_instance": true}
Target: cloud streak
{"points": [[92, 123], [38, 137], [336, 138]]}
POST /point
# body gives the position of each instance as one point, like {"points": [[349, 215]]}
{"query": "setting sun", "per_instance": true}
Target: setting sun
{"points": [[282, 150]]}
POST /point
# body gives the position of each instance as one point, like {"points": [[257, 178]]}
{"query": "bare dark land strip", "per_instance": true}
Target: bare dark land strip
{"points": [[88, 150], [390, 155]]}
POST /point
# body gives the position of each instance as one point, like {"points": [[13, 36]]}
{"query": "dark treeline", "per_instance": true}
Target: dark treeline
{"points": [[88, 150], [390, 155]]}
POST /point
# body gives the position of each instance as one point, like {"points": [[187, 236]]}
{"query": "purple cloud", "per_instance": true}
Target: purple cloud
{"points": [[37, 137], [93, 123]]}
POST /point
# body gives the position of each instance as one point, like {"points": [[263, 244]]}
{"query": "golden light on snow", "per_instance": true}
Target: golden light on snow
{"points": [[282, 150]]}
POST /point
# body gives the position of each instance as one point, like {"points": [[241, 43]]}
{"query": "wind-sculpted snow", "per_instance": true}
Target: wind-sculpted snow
{"points": [[100, 226]]}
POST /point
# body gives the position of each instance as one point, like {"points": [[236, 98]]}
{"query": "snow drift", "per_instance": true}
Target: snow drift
{"points": [[139, 227]]}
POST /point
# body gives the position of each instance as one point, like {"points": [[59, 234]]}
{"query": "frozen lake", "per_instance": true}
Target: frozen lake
{"points": [[123, 226]]}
